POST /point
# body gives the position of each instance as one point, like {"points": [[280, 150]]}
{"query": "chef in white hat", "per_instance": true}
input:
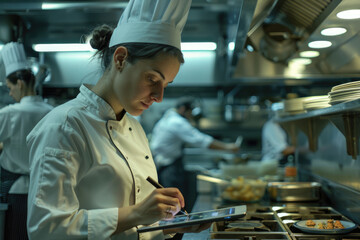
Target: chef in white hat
{"points": [[89, 158], [17, 120]]}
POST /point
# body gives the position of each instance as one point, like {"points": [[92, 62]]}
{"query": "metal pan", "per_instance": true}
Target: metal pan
{"points": [[294, 191]]}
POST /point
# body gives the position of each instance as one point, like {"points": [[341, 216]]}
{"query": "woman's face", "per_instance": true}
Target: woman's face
{"points": [[15, 90], [137, 86]]}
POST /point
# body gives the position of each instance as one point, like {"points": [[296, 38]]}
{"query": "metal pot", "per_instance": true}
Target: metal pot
{"points": [[294, 191]]}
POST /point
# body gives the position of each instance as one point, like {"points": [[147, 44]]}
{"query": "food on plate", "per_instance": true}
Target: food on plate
{"points": [[338, 225], [310, 223], [241, 189], [329, 224], [322, 226]]}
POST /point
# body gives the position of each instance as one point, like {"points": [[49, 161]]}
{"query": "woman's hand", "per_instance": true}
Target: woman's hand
{"points": [[162, 203], [191, 229]]}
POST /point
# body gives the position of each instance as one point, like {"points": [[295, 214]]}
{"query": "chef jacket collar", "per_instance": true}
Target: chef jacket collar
{"points": [[31, 99], [97, 103]]}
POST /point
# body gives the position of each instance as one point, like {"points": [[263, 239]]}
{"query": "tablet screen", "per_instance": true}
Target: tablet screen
{"points": [[199, 217]]}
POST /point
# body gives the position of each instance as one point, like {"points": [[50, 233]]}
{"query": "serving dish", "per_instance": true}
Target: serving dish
{"points": [[348, 227]]}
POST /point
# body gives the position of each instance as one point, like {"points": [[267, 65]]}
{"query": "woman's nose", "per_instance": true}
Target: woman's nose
{"points": [[158, 94]]}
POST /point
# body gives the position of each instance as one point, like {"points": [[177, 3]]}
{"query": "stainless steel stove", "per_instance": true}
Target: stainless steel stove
{"points": [[271, 223]]}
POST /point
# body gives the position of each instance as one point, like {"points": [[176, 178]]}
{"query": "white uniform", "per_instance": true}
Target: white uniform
{"points": [[169, 135], [16, 121], [84, 166], [274, 141]]}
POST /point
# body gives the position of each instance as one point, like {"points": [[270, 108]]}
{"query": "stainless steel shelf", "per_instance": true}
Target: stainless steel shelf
{"points": [[352, 106]]}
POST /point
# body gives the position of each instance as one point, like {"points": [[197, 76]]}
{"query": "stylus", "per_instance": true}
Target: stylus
{"points": [[158, 185]]}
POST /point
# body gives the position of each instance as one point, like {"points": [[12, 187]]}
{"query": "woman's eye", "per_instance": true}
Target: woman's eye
{"points": [[152, 80]]}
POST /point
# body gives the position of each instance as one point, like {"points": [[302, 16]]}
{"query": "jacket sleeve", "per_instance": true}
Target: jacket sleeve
{"points": [[191, 135], [5, 123], [53, 207]]}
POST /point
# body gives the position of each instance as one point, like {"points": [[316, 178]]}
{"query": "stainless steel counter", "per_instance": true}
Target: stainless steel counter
{"points": [[277, 218]]}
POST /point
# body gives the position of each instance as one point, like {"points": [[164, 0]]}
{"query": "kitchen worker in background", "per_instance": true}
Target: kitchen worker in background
{"points": [[168, 138], [89, 158], [275, 146], [16, 121]]}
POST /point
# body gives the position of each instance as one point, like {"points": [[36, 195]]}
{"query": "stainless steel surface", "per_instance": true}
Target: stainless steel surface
{"points": [[265, 221], [212, 179], [294, 191]]}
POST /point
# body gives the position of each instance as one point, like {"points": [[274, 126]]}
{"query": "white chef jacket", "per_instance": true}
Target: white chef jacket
{"points": [[84, 166], [274, 141], [16, 121], [169, 135]]}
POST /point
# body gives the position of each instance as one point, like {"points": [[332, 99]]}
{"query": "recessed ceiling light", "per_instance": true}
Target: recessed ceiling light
{"points": [[334, 31], [309, 54], [349, 14], [319, 44], [303, 61]]}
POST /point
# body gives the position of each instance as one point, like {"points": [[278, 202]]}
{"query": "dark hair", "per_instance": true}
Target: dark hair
{"points": [[186, 101], [101, 38], [26, 75]]}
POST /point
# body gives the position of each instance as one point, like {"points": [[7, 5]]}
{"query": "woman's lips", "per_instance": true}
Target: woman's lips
{"points": [[146, 106]]}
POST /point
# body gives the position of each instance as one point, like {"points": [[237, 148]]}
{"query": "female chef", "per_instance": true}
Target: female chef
{"points": [[17, 120], [89, 158]]}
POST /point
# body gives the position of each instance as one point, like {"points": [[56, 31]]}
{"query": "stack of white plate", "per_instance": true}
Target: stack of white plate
{"points": [[293, 106], [316, 102], [301, 105], [344, 92]]}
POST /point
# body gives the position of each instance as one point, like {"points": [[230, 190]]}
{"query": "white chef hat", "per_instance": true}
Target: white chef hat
{"points": [[152, 21], [14, 58]]}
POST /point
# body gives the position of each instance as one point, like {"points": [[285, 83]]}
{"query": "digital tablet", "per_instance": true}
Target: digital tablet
{"points": [[198, 217]]}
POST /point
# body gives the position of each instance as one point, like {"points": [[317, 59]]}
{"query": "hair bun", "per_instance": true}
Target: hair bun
{"points": [[101, 37]]}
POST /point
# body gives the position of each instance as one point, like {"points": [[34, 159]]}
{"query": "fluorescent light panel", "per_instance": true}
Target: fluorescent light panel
{"points": [[62, 47], [319, 44], [302, 61], [78, 47], [198, 46], [309, 54], [349, 14], [64, 5], [334, 31]]}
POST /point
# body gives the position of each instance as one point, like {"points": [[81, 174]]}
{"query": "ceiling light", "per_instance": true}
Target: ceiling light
{"points": [[81, 5], [319, 44], [231, 46], [62, 47], [80, 47], [335, 31], [198, 46], [349, 14], [309, 54], [302, 61]]}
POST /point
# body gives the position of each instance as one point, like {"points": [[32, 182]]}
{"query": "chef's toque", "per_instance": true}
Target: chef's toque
{"points": [[152, 21], [14, 58]]}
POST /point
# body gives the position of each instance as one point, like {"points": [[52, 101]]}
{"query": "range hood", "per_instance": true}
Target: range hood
{"points": [[282, 29]]}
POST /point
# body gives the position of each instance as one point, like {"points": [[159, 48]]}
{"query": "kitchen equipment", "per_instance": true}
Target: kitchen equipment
{"points": [[294, 191], [241, 189], [280, 221]]}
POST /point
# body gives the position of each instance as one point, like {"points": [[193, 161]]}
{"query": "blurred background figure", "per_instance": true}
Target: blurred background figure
{"points": [[275, 146], [17, 120], [169, 137]]}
